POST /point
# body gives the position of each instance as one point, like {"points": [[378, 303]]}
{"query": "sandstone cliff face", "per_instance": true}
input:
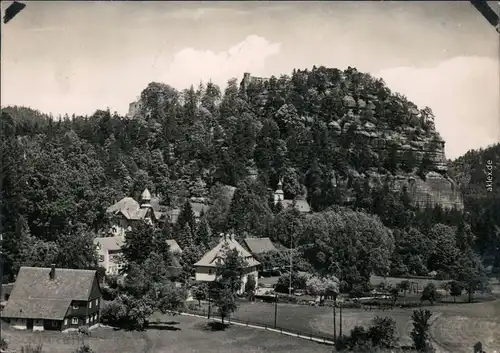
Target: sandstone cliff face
{"points": [[438, 187], [424, 146]]}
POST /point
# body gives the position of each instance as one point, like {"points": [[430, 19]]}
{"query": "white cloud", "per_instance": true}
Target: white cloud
{"points": [[201, 12], [81, 87], [463, 94], [190, 65]]}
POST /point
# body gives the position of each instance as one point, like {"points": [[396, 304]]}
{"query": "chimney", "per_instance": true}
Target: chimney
{"points": [[52, 273]]}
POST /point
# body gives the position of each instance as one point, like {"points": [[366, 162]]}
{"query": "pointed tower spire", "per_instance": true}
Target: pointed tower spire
{"points": [[145, 199], [278, 194]]}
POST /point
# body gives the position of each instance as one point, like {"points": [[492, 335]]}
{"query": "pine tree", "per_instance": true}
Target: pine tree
{"points": [[185, 237], [186, 217], [203, 234], [139, 243]]}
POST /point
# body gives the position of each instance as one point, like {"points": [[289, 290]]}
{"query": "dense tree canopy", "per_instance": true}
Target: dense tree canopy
{"points": [[59, 175]]}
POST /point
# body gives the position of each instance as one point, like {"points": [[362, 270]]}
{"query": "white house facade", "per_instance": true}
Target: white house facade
{"points": [[109, 253], [206, 267]]}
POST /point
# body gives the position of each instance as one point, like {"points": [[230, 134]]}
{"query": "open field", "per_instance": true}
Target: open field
{"points": [[195, 336], [179, 334], [455, 329]]}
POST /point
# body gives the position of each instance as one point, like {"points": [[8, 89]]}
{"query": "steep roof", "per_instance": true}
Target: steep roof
{"points": [[50, 309], [146, 195], [174, 246], [300, 205], [198, 207], [125, 204], [109, 243], [259, 245], [36, 296], [132, 210], [209, 259]]}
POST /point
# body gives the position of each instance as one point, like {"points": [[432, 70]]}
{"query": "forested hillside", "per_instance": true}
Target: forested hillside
{"points": [[358, 152], [478, 173]]}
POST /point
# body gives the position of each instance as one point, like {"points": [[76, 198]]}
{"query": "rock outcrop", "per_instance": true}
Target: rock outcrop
{"points": [[422, 144]]}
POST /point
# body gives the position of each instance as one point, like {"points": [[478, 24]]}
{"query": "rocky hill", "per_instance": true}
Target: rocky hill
{"points": [[365, 110]]}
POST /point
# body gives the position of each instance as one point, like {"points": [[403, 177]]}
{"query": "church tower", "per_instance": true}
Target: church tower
{"points": [[278, 194], [146, 199]]}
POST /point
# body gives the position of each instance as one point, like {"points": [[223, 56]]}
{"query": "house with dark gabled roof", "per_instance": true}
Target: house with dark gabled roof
{"points": [[128, 211], [54, 299], [258, 246], [206, 267]]}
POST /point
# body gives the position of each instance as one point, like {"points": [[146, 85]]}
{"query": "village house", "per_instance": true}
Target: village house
{"points": [[206, 267], [199, 205], [54, 299], [300, 204], [258, 246], [109, 251], [127, 211]]}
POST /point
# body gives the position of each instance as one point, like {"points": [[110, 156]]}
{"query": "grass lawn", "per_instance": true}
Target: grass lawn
{"points": [[188, 334], [175, 334], [104, 340], [457, 327]]}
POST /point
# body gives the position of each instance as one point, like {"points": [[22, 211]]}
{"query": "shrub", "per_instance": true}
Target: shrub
{"points": [[383, 332], [3, 344], [30, 349], [430, 293], [84, 349]]}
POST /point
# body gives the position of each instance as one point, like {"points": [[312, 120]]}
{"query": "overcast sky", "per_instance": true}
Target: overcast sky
{"points": [[76, 57]]}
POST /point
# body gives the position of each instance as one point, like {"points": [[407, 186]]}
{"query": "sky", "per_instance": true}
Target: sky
{"points": [[77, 57]]}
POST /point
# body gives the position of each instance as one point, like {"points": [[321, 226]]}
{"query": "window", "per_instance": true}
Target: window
{"points": [[65, 321], [86, 321], [54, 323], [97, 302], [95, 317], [90, 304], [210, 271], [74, 321]]}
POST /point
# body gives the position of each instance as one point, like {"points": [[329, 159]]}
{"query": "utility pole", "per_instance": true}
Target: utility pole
{"points": [[1, 266], [275, 308], [334, 318], [291, 262], [209, 301], [340, 319]]}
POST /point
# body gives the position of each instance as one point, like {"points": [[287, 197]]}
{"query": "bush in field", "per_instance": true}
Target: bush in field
{"points": [[3, 344], [84, 349], [30, 349], [430, 293]]}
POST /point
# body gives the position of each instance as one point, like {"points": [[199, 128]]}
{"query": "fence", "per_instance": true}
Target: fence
{"points": [[310, 335]]}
